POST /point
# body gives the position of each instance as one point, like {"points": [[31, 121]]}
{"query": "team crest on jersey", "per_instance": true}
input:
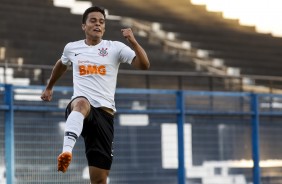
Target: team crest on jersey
{"points": [[103, 52]]}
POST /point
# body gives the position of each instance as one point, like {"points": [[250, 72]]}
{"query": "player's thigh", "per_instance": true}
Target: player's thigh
{"points": [[97, 175]]}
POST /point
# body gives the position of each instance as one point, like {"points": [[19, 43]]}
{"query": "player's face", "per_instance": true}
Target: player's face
{"points": [[94, 26]]}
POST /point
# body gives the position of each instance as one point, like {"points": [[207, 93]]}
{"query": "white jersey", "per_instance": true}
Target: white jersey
{"points": [[95, 69]]}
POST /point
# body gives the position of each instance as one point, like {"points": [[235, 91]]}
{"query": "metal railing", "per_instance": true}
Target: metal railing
{"points": [[182, 104], [39, 75]]}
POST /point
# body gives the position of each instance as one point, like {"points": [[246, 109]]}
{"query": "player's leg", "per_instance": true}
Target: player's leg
{"points": [[79, 109], [97, 175], [98, 133]]}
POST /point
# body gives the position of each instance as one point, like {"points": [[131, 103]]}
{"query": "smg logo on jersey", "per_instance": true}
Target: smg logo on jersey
{"points": [[92, 69]]}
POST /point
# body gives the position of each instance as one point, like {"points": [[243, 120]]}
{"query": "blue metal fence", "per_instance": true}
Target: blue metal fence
{"points": [[161, 106]]}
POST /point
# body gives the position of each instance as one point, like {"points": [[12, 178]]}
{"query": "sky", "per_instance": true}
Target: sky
{"points": [[263, 14]]}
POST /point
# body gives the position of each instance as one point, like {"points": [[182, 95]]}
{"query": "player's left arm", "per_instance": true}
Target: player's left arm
{"points": [[141, 60]]}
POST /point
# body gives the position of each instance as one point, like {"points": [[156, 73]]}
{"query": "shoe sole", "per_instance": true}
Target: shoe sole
{"points": [[64, 160]]}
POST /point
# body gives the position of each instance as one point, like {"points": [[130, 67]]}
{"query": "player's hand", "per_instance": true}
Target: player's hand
{"points": [[47, 95], [128, 34]]}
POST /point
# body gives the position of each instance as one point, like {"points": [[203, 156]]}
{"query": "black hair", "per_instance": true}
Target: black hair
{"points": [[90, 10]]}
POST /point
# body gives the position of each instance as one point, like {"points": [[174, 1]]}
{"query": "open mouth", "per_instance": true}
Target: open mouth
{"points": [[97, 30]]}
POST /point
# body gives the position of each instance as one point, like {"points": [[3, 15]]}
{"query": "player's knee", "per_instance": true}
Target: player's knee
{"points": [[98, 176], [99, 180], [81, 105]]}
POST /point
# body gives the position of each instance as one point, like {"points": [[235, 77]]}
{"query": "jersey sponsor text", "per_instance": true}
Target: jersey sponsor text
{"points": [[92, 69]]}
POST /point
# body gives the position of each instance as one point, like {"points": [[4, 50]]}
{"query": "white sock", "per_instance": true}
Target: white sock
{"points": [[73, 130]]}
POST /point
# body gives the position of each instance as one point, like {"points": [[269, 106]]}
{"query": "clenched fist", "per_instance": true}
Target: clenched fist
{"points": [[128, 34], [47, 95]]}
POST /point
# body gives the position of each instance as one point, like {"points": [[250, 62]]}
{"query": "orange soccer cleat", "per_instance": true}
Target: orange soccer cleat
{"points": [[64, 160]]}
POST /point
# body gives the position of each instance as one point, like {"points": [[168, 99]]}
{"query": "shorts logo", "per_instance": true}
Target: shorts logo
{"points": [[92, 69], [112, 150], [103, 52]]}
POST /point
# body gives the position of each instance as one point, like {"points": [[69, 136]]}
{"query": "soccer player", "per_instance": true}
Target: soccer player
{"points": [[90, 112]]}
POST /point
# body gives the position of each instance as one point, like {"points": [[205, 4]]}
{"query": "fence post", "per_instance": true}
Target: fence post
{"points": [[9, 135], [180, 137], [255, 139]]}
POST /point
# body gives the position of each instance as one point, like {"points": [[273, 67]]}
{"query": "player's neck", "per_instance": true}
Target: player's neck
{"points": [[92, 42]]}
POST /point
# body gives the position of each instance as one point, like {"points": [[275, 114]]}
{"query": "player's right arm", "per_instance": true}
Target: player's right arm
{"points": [[58, 70]]}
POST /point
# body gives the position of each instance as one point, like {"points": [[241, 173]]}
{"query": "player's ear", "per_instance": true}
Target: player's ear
{"points": [[83, 27]]}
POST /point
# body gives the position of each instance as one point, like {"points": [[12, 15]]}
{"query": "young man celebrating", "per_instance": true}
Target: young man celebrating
{"points": [[91, 111]]}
